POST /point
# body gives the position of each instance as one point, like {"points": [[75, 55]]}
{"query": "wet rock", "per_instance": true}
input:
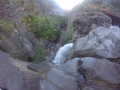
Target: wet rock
{"points": [[101, 43]]}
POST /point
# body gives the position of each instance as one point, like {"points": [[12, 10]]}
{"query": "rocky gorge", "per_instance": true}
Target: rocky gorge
{"points": [[90, 62]]}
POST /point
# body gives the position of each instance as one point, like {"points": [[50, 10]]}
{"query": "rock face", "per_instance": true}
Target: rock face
{"points": [[17, 44], [14, 75], [96, 52], [98, 69], [102, 74], [61, 80], [85, 22], [71, 67], [101, 43]]}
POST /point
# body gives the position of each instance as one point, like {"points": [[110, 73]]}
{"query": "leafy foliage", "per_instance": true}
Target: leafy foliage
{"points": [[66, 37], [40, 54], [44, 27]]}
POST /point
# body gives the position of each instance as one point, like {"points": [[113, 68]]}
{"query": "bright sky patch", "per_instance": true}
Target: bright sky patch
{"points": [[68, 4]]}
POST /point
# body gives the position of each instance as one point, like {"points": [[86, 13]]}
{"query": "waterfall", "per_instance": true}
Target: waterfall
{"points": [[63, 54]]}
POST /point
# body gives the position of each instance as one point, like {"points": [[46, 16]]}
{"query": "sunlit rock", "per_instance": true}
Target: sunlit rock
{"points": [[101, 43]]}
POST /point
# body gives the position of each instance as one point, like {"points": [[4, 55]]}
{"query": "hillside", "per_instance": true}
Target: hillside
{"points": [[16, 37]]}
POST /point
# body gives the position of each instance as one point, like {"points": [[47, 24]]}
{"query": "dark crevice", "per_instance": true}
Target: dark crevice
{"points": [[2, 49], [115, 20]]}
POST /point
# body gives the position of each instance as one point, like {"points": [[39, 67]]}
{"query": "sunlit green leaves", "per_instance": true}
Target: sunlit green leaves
{"points": [[44, 27]]}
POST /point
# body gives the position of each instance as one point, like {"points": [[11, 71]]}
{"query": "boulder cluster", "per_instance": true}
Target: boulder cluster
{"points": [[93, 64]]}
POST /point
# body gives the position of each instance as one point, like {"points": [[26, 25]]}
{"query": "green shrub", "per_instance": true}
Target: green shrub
{"points": [[66, 37], [62, 19], [6, 28], [40, 54], [45, 27]]}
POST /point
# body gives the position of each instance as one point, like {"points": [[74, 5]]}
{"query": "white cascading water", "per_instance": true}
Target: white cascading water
{"points": [[63, 54]]}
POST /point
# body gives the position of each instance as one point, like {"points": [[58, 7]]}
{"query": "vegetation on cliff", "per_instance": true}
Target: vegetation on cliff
{"points": [[66, 37], [44, 27], [98, 5], [40, 54]]}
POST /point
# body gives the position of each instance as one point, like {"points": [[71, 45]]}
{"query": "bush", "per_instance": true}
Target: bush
{"points": [[62, 19], [66, 37], [45, 27], [40, 54], [6, 28]]}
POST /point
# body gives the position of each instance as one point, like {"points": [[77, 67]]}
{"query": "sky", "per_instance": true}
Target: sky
{"points": [[68, 4]]}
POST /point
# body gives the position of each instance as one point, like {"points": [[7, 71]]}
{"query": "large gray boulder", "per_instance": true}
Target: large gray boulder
{"points": [[61, 80], [101, 43], [100, 70], [15, 76], [71, 67]]}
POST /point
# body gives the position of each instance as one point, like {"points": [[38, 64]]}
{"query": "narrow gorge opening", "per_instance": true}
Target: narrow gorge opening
{"points": [[115, 20]]}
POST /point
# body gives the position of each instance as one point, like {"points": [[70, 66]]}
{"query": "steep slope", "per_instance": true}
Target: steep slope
{"points": [[16, 38]]}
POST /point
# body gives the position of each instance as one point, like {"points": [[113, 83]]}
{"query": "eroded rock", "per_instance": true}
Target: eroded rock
{"points": [[71, 67], [15, 76], [61, 80], [99, 69], [85, 22], [101, 43]]}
